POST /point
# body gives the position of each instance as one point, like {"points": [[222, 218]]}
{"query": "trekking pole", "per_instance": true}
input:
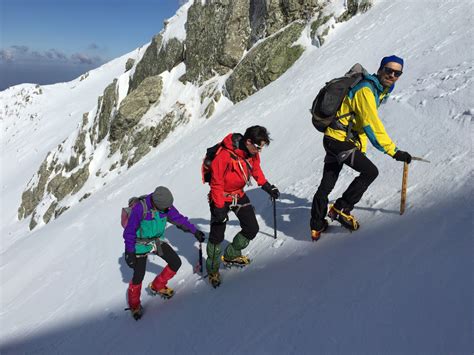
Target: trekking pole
{"points": [[200, 258], [274, 219], [198, 267], [404, 188]]}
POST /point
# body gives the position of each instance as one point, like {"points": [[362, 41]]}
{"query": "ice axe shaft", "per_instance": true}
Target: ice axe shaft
{"points": [[405, 182], [404, 188], [274, 219]]}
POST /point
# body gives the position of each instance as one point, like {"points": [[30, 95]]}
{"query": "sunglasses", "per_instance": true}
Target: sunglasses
{"points": [[258, 147], [390, 71]]}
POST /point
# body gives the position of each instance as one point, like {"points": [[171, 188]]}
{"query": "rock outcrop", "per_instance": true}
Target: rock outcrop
{"points": [[231, 47], [265, 63]]}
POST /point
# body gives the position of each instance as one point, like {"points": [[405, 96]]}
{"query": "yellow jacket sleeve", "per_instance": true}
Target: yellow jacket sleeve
{"points": [[365, 107]]}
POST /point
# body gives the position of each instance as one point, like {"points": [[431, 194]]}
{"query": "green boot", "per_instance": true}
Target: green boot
{"points": [[234, 250], [213, 257]]}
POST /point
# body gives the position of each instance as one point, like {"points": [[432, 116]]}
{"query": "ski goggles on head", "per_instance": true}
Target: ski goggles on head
{"points": [[389, 71]]}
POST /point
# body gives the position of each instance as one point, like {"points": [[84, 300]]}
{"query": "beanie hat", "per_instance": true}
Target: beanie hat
{"points": [[162, 198], [392, 58]]}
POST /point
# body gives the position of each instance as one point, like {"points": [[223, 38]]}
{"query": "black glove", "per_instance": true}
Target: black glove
{"points": [[130, 259], [400, 155], [219, 214], [200, 236], [271, 190]]}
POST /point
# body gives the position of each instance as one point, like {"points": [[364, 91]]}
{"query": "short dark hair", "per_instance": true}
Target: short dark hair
{"points": [[257, 134]]}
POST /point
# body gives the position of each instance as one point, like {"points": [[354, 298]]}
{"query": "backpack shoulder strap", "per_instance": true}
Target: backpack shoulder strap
{"points": [[145, 208]]}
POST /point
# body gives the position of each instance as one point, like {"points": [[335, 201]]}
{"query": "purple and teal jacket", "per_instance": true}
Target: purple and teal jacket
{"points": [[173, 216]]}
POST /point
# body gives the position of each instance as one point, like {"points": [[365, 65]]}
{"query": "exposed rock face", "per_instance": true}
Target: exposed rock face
{"points": [[33, 196], [217, 34], [50, 212], [354, 7], [61, 186], [139, 141], [130, 63], [158, 57], [135, 105], [265, 63], [108, 104], [253, 42], [318, 39], [282, 12], [258, 14]]}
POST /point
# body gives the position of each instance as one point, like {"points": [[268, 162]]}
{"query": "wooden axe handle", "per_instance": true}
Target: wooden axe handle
{"points": [[404, 188]]}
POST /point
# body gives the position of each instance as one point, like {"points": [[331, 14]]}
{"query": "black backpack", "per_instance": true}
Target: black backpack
{"points": [[211, 153], [330, 97]]}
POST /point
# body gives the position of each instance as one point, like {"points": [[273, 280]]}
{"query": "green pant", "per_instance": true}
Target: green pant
{"points": [[232, 251], [213, 257]]}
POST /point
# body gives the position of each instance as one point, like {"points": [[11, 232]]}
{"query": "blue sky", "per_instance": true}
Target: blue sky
{"points": [[48, 41]]}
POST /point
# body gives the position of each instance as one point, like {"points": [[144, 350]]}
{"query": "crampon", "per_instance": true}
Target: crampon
{"points": [[165, 292], [344, 218], [239, 261]]}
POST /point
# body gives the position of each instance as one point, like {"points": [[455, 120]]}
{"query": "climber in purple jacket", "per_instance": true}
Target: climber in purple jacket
{"points": [[144, 234]]}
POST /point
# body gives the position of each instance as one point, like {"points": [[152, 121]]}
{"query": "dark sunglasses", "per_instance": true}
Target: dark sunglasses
{"points": [[389, 71]]}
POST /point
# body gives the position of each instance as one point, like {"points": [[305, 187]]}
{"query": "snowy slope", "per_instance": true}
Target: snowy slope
{"points": [[402, 284], [35, 120]]}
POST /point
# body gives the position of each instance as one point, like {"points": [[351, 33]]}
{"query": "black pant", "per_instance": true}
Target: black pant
{"points": [[247, 219], [332, 167], [169, 255]]}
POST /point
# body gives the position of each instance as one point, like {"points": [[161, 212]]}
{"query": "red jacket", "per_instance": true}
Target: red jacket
{"points": [[231, 169]]}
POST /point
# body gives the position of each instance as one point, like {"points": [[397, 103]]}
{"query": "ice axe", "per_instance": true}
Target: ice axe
{"points": [[405, 182]]}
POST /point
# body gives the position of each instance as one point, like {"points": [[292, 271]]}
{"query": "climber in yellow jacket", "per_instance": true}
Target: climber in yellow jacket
{"points": [[345, 142]]}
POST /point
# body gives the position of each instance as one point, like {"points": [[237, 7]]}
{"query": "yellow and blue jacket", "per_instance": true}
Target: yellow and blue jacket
{"points": [[363, 102]]}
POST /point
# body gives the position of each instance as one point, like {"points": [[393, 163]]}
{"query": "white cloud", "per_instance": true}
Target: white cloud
{"points": [[23, 54]]}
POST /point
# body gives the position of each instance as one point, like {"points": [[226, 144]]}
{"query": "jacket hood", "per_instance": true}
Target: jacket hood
{"points": [[232, 142]]}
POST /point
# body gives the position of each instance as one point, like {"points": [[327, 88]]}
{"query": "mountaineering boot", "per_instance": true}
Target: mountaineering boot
{"points": [[133, 295], [344, 217], [158, 286], [234, 249], [164, 292], [239, 261], [316, 234], [215, 279], [213, 257]]}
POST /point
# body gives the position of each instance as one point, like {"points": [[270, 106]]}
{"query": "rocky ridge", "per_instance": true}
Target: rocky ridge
{"points": [[231, 49]]}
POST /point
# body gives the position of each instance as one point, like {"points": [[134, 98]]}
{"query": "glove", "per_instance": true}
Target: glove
{"points": [[200, 236], [400, 155], [130, 259], [271, 190], [219, 214]]}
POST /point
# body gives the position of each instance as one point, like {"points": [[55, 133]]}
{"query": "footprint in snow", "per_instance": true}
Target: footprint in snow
{"points": [[277, 243]]}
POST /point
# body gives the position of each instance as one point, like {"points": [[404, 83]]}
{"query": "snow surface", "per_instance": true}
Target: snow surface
{"points": [[401, 284]]}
